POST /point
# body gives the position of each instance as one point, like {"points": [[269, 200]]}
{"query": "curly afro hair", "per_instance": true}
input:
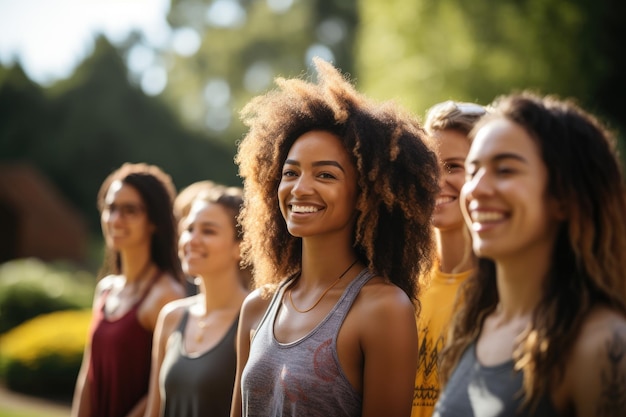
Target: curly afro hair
{"points": [[397, 177]]}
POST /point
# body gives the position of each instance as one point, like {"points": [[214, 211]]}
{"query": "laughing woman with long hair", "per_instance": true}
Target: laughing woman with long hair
{"points": [[541, 330]]}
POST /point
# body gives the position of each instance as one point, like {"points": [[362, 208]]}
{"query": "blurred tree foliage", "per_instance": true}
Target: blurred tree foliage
{"points": [[426, 51], [79, 130], [417, 52], [244, 45]]}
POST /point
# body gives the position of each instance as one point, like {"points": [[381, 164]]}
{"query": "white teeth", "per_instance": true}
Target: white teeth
{"points": [[486, 216], [443, 200], [303, 209]]}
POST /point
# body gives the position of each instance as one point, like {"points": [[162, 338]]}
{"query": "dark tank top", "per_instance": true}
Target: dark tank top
{"points": [[199, 385], [119, 369], [475, 390]]}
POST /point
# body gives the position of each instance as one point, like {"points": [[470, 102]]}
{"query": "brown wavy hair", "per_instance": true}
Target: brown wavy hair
{"points": [[588, 262], [397, 177]]}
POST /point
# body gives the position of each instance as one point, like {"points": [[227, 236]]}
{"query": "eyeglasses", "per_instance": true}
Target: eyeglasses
{"points": [[124, 210]]}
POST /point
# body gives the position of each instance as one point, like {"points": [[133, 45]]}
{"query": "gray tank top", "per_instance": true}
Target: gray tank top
{"points": [[198, 386], [486, 391], [303, 378]]}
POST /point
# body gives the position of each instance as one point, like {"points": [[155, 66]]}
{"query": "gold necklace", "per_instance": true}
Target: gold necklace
{"points": [[323, 294], [201, 326]]}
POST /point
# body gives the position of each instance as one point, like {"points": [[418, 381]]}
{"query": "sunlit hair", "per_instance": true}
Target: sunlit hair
{"points": [[460, 117], [182, 202], [397, 177], [229, 198], [157, 193], [453, 115], [588, 263]]}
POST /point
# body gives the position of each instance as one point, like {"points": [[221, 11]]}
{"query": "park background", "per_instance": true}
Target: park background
{"points": [[171, 97]]}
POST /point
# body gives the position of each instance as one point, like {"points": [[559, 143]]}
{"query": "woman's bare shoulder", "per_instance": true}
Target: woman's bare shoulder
{"points": [[167, 288], [179, 305], [380, 303], [601, 325], [595, 371], [381, 293], [257, 300], [173, 311], [107, 282]]}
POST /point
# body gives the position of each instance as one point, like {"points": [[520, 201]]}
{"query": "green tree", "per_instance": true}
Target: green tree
{"points": [[79, 130], [428, 51], [244, 46]]}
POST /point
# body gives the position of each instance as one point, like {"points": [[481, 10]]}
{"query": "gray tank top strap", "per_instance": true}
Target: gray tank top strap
{"points": [[352, 290]]}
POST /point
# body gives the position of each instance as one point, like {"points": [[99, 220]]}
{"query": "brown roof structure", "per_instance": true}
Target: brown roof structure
{"points": [[36, 220]]}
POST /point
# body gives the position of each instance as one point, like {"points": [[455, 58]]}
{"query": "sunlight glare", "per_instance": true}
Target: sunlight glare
{"points": [[279, 6], [186, 41], [154, 80], [258, 77], [226, 14]]}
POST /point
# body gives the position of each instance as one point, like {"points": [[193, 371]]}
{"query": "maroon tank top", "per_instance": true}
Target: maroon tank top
{"points": [[119, 370]]}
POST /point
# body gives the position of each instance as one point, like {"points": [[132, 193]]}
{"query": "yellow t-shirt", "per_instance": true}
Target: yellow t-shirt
{"points": [[437, 302]]}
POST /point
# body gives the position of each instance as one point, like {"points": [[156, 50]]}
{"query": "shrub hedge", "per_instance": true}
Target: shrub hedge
{"points": [[42, 356], [30, 287]]}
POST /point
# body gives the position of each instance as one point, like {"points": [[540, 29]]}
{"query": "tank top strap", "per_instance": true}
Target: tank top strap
{"points": [[154, 279], [277, 296], [102, 299], [352, 290]]}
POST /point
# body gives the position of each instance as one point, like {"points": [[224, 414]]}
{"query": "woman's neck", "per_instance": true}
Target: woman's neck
{"points": [[220, 291], [454, 249], [135, 265], [520, 284], [322, 264]]}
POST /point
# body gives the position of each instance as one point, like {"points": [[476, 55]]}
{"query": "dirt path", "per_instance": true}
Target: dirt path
{"points": [[20, 402]]}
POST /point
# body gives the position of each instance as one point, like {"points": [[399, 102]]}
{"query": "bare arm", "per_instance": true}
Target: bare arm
{"points": [[139, 408], [251, 313], [80, 403], [389, 345], [166, 323], [81, 406]]}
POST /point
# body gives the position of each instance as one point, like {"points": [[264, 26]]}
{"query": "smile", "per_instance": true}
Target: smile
{"points": [[443, 200], [486, 216], [304, 209]]}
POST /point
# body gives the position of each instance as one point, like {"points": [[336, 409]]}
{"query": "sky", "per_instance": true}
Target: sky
{"points": [[51, 37]]}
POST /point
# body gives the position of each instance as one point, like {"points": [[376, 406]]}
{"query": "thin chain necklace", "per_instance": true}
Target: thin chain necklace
{"points": [[201, 325], [323, 294]]}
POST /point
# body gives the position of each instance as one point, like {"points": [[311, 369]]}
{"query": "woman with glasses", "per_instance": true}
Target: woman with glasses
{"points": [[541, 330], [447, 125], [141, 273]]}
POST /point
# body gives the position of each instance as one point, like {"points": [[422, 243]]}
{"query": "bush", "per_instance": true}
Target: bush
{"points": [[29, 287], [42, 356]]}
